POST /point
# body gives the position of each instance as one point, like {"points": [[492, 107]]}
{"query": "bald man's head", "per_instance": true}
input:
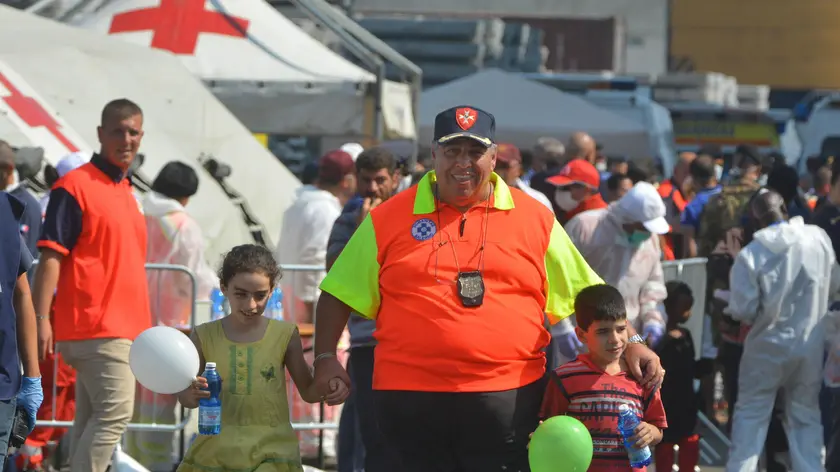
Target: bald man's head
{"points": [[548, 153], [581, 146]]}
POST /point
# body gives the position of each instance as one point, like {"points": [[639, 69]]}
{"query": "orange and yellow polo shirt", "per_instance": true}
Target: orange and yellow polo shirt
{"points": [[400, 268]]}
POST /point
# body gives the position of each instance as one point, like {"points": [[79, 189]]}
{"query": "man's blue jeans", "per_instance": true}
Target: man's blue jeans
{"points": [[7, 419]]}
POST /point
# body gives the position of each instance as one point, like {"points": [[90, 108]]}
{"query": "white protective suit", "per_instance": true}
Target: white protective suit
{"points": [[635, 272], [303, 241], [174, 237], [780, 285]]}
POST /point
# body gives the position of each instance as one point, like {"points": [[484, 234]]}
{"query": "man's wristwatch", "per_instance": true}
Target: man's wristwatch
{"points": [[636, 339]]}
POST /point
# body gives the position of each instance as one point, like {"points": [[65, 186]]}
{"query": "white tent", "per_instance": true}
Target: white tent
{"points": [[271, 74], [76, 72], [526, 110], [26, 119]]}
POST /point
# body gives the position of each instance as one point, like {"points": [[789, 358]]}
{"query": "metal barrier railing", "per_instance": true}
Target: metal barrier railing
{"points": [[152, 427]]}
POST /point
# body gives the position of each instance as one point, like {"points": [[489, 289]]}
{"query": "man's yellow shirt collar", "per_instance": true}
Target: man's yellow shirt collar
{"points": [[424, 201]]}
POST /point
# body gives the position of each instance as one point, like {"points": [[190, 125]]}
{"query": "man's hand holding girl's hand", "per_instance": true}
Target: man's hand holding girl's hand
{"points": [[339, 391]]}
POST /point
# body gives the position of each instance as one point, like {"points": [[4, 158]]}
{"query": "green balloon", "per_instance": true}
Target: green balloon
{"points": [[560, 444]]}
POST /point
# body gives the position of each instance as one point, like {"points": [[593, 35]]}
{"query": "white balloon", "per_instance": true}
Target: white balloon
{"points": [[164, 360]]}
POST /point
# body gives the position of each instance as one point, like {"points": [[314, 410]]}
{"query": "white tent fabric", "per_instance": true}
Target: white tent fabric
{"points": [[27, 119], [272, 75], [526, 110], [77, 72]]}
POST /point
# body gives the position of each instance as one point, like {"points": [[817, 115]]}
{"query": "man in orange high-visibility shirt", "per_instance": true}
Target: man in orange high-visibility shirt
{"points": [[458, 272]]}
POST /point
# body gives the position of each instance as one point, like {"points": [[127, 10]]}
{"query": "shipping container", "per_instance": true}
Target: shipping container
{"points": [[786, 44], [580, 44]]}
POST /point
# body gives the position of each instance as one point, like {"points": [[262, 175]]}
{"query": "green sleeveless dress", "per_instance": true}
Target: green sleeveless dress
{"points": [[257, 435]]}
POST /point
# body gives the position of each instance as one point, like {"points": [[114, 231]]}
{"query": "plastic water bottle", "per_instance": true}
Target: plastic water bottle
{"points": [[274, 309], [627, 422], [210, 409], [217, 301]]}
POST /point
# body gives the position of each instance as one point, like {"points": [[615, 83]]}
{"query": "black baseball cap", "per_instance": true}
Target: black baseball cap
{"points": [[465, 122]]}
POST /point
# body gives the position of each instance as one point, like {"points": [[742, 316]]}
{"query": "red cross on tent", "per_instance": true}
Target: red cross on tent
{"points": [[33, 114], [176, 24]]}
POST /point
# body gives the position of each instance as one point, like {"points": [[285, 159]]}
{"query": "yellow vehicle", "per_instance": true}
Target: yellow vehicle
{"points": [[699, 125]]}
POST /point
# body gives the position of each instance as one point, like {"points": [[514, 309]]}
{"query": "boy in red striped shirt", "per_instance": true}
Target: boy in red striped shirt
{"points": [[592, 387]]}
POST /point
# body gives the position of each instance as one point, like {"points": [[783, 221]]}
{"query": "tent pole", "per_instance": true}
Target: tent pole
{"points": [[343, 22], [374, 43], [39, 6], [370, 59], [378, 119]]}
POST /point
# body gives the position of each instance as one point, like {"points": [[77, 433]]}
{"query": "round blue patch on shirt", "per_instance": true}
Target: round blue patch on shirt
{"points": [[423, 230]]}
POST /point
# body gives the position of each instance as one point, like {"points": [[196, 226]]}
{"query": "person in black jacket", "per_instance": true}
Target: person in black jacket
{"points": [[678, 395]]}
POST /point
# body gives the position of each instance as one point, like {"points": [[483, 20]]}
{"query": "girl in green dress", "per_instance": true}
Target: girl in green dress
{"points": [[251, 353]]}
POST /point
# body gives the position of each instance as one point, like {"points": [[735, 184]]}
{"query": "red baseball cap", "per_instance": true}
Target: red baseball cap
{"points": [[334, 165], [507, 152], [578, 171]]}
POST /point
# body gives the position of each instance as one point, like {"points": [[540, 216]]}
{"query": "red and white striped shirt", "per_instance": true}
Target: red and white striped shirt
{"points": [[584, 391]]}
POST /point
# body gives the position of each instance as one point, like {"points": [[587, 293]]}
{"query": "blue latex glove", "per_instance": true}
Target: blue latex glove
{"points": [[652, 333], [30, 397], [568, 344]]}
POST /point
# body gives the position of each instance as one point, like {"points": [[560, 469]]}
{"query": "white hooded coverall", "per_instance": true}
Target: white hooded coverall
{"points": [[780, 285], [635, 271]]}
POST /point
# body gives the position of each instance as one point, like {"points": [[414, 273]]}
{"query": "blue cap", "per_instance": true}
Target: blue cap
{"points": [[465, 122]]}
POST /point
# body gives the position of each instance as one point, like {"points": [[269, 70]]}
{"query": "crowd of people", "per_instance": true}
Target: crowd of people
{"points": [[463, 300]]}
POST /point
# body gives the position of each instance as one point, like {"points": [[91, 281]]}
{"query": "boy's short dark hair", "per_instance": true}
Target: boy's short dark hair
{"points": [[599, 303], [677, 289]]}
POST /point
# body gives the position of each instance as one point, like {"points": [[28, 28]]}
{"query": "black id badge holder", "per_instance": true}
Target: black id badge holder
{"points": [[471, 288]]}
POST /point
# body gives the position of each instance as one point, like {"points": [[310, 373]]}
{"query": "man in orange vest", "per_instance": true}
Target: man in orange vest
{"points": [[672, 193], [93, 250]]}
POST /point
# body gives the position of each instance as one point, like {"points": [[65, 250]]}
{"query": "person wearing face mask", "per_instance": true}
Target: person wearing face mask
{"points": [[781, 283], [577, 189], [616, 241]]}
